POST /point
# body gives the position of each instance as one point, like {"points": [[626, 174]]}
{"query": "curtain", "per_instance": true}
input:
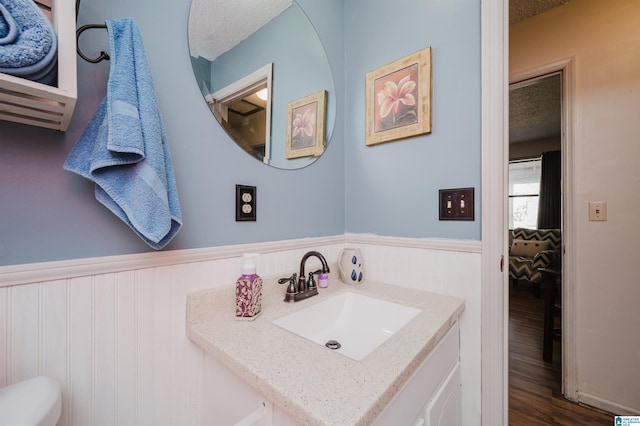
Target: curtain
{"points": [[549, 206]]}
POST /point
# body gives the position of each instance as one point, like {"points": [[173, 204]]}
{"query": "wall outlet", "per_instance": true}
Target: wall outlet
{"points": [[597, 210], [245, 203]]}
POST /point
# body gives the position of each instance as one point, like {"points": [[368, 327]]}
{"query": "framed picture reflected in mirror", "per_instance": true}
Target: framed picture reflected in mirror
{"points": [[306, 126]]}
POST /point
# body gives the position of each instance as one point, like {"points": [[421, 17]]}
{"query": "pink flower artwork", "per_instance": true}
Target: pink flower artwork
{"points": [[398, 99], [306, 119], [396, 95], [303, 126]]}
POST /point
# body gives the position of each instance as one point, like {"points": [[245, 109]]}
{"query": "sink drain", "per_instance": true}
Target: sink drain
{"points": [[333, 344]]}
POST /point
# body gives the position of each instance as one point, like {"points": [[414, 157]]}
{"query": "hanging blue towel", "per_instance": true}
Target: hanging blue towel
{"points": [[124, 149], [28, 43]]}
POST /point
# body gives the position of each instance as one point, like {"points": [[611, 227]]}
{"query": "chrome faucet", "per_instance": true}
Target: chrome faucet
{"points": [[298, 288]]}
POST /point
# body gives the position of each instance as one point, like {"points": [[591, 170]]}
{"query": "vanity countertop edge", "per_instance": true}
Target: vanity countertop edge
{"points": [[311, 383]]}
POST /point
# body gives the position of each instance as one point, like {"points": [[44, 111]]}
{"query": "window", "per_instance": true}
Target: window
{"points": [[524, 193]]}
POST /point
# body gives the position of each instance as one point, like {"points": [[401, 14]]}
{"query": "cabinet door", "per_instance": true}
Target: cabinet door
{"points": [[444, 408], [409, 404]]}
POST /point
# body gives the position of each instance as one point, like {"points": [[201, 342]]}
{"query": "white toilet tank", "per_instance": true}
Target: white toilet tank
{"points": [[33, 402]]}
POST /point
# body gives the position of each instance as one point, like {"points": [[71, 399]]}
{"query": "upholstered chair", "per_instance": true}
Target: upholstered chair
{"points": [[532, 249]]}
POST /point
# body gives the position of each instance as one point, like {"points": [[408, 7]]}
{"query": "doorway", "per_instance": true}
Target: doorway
{"points": [[495, 79], [563, 71], [534, 218]]}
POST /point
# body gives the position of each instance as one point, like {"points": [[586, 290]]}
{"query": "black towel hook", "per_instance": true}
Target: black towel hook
{"points": [[103, 55]]}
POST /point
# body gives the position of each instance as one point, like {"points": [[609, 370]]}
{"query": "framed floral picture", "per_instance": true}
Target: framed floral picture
{"points": [[398, 99], [306, 126]]}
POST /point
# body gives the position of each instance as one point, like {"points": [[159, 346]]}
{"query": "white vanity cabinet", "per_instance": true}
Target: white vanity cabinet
{"points": [[431, 396], [411, 379]]}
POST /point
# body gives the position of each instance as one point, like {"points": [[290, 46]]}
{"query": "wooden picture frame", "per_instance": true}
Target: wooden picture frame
{"points": [[398, 99], [306, 126]]}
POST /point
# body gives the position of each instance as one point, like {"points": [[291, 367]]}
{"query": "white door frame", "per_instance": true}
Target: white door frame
{"points": [[495, 141], [569, 367], [237, 90], [495, 137]]}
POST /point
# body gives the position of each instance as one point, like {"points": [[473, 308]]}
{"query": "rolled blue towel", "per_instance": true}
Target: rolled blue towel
{"points": [[8, 27], [28, 43]]}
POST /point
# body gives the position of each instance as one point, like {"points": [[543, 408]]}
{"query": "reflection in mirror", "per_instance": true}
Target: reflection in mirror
{"points": [[244, 111], [283, 54]]}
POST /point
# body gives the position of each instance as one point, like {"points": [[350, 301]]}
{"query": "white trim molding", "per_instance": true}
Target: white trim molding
{"points": [[66, 269], [494, 310], [569, 271], [467, 246]]}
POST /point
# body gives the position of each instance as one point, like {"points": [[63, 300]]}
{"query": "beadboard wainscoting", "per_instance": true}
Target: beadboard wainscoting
{"points": [[451, 267], [112, 330]]}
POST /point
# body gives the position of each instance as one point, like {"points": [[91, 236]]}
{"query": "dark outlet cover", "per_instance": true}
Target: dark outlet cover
{"points": [[245, 203], [456, 204]]}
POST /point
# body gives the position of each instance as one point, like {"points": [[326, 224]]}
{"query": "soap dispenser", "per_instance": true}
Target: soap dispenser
{"points": [[248, 290]]}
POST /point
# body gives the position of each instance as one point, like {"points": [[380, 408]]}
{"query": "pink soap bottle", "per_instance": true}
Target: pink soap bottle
{"points": [[248, 290]]}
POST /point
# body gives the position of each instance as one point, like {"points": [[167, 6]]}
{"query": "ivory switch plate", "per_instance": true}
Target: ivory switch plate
{"points": [[597, 210]]}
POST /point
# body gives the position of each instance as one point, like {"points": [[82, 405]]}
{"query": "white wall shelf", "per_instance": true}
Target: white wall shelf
{"points": [[37, 104]]}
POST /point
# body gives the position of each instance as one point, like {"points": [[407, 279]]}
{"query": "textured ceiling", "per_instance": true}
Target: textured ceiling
{"points": [[519, 10], [215, 26], [535, 110]]}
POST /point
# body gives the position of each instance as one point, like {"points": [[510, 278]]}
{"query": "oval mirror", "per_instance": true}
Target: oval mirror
{"points": [[265, 76]]}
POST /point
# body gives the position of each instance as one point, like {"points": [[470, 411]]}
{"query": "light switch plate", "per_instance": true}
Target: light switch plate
{"points": [[456, 204], [245, 203], [597, 210]]}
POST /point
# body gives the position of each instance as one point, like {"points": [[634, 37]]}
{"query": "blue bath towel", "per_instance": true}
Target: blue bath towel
{"points": [[28, 43], [124, 148]]}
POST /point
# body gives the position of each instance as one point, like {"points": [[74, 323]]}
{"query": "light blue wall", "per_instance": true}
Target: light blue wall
{"points": [[48, 214], [392, 188], [389, 189]]}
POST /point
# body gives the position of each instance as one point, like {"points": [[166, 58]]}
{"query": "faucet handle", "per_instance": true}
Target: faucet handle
{"points": [[292, 280], [285, 280], [311, 282]]}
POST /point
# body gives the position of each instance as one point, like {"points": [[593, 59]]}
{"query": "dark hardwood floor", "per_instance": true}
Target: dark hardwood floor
{"points": [[535, 396]]}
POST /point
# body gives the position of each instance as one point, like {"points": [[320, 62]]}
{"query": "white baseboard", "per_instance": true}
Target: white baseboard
{"points": [[610, 406]]}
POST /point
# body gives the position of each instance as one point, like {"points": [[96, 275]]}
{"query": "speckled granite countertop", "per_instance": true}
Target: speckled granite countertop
{"points": [[311, 383]]}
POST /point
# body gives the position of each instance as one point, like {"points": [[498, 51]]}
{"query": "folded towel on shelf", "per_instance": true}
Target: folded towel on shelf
{"points": [[28, 43], [8, 28], [124, 148]]}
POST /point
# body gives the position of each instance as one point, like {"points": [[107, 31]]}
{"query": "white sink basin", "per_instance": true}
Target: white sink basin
{"points": [[358, 323]]}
